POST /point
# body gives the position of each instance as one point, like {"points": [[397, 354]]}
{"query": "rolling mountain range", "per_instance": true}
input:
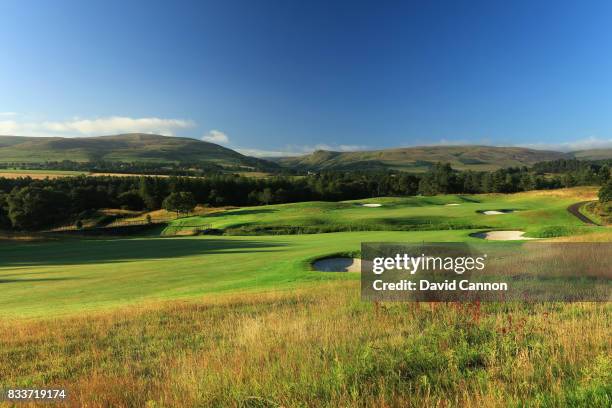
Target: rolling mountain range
{"points": [[138, 147], [132, 147], [421, 158]]}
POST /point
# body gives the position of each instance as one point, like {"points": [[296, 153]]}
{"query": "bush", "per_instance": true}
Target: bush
{"points": [[605, 193], [33, 207], [131, 200], [179, 202]]}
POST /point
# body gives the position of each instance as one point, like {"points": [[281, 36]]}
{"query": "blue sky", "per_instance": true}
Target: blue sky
{"points": [[291, 76]]}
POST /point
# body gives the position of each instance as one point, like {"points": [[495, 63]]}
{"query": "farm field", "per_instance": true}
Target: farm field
{"points": [[39, 174], [242, 320]]}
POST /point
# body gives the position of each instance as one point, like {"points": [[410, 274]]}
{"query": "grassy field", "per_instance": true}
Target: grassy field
{"points": [[318, 346], [49, 278], [243, 320], [540, 215], [38, 174]]}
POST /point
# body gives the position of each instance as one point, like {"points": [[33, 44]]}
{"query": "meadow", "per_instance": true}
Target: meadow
{"points": [[243, 320], [38, 174]]}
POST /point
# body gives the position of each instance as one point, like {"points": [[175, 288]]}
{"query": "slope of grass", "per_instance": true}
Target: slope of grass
{"points": [[49, 278], [318, 347], [593, 154], [533, 211], [596, 212]]}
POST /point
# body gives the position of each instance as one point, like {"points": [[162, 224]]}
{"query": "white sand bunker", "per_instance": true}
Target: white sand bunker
{"points": [[496, 212], [339, 264], [501, 235], [452, 204], [371, 205]]}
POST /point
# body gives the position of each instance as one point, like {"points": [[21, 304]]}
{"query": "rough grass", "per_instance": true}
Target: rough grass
{"points": [[318, 347], [598, 212]]}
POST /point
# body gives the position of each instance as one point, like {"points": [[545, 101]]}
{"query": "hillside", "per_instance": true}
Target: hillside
{"points": [[593, 154], [420, 158], [134, 147]]}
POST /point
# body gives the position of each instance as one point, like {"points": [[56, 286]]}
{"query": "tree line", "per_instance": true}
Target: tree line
{"points": [[197, 169], [27, 204]]}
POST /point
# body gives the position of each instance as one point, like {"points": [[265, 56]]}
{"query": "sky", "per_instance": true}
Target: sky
{"points": [[287, 77]]}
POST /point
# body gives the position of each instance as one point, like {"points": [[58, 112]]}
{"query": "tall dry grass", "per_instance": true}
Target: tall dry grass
{"points": [[580, 193], [318, 347]]}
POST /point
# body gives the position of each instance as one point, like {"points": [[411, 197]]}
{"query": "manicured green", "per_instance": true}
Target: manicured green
{"points": [[49, 278], [532, 213]]}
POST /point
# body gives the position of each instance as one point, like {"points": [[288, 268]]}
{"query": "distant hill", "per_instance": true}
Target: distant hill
{"points": [[133, 147], [477, 158], [139, 147], [593, 154]]}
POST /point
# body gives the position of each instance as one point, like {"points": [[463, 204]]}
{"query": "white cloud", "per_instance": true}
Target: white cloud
{"points": [[299, 150], [8, 127], [95, 127], [8, 113], [216, 136], [352, 148], [267, 153], [581, 144]]}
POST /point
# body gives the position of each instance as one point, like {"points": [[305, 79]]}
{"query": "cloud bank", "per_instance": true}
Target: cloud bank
{"points": [[216, 136], [581, 144], [94, 127], [296, 150]]}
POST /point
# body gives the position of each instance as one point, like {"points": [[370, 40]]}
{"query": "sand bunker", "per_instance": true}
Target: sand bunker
{"points": [[501, 235], [496, 212], [371, 205], [339, 264], [452, 204]]}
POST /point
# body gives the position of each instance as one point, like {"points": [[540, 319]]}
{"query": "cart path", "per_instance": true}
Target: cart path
{"points": [[575, 210]]}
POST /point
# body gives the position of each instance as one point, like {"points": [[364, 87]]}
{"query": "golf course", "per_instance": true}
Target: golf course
{"points": [[241, 318], [58, 276]]}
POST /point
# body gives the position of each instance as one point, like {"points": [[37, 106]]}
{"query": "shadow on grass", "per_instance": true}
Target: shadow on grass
{"points": [[240, 212], [26, 280], [73, 252], [468, 199]]}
